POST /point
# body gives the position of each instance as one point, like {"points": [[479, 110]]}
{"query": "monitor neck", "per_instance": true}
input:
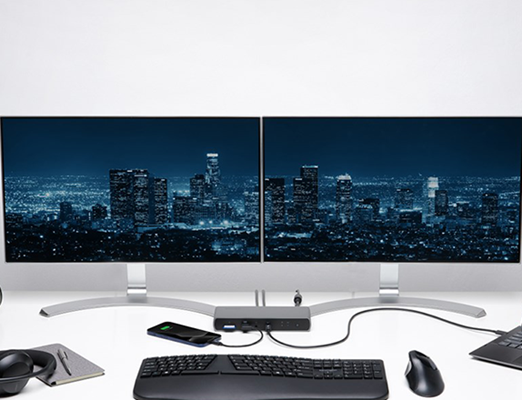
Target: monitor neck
{"points": [[389, 282], [136, 279]]}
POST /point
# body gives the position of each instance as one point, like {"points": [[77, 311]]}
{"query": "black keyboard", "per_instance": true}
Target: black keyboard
{"points": [[513, 340], [251, 377]]}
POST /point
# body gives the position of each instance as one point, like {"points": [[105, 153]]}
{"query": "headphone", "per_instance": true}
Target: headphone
{"points": [[16, 368]]}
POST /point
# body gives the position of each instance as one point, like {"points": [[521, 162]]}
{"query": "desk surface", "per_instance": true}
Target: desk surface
{"points": [[115, 339]]}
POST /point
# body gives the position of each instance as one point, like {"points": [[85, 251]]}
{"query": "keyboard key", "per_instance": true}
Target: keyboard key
{"points": [[239, 372], [195, 372], [243, 368]]}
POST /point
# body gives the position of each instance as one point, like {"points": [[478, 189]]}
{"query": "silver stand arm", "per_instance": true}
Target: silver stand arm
{"points": [[389, 296], [136, 296]]}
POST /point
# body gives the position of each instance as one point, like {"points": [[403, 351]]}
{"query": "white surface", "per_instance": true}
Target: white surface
{"points": [[116, 340], [260, 58]]}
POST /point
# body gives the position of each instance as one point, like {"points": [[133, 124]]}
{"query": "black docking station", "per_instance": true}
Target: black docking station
{"points": [[261, 318]]}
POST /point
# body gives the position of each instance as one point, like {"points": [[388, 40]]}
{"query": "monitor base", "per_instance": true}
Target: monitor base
{"points": [[378, 301], [129, 300], [389, 295], [136, 296]]}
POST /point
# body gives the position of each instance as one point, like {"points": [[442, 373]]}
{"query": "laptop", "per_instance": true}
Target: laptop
{"points": [[505, 350]]}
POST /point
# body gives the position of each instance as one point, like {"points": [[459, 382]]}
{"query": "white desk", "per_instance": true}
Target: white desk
{"points": [[116, 340]]}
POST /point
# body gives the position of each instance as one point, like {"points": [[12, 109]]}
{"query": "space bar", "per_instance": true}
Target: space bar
{"points": [[201, 372], [239, 372]]}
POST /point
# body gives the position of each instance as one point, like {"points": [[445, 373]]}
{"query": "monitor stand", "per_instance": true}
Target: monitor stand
{"points": [[389, 296], [136, 296]]}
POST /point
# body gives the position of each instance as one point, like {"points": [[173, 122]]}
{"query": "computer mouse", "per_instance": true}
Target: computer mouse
{"points": [[423, 375]]}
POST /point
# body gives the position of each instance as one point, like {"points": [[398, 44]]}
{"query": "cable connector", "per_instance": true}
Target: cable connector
{"points": [[246, 327], [219, 343], [298, 299]]}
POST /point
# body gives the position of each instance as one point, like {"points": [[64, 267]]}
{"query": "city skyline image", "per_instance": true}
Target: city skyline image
{"points": [[392, 189], [335, 189], [131, 189]]}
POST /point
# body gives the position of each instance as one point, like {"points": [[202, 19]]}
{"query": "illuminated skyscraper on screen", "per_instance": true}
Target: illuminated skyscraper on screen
{"points": [[137, 198], [213, 178], [213, 173], [441, 202], [197, 187], [404, 199], [374, 204], [99, 212], [343, 199], [432, 185], [66, 211], [184, 210], [252, 207], [306, 194], [275, 187], [490, 211], [120, 194], [141, 197], [161, 211]]}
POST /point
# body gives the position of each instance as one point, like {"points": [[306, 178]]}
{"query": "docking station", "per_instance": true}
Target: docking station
{"points": [[252, 318]]}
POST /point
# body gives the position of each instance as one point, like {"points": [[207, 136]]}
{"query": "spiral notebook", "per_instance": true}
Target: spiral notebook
{"points": [[80, 367]]}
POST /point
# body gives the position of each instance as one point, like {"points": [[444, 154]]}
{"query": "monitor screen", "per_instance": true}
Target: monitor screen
{"points": [[131, 189], [392, 189]]}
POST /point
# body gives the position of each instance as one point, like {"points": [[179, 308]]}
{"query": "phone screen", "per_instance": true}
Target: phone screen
{"points": [[183, 334]]}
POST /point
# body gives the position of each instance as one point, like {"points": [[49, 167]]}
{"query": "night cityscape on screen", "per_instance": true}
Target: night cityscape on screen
{"points": [[392, 189], [335, 189], [131, 189]]}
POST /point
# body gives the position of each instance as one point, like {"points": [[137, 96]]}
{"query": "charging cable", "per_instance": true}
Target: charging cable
{"points": [[268, 327], [241, 345]]}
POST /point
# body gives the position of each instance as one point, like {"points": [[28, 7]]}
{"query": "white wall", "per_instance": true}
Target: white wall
{"points": [[254, 58]]}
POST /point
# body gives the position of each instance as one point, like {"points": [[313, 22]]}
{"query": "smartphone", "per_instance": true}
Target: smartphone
{"points": [[183, 334]]}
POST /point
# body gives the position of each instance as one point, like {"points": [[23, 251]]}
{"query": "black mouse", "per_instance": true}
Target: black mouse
{"points": [[423, 375]]}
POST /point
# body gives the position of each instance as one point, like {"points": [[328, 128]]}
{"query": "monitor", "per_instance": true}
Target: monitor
{"points": [[392, 190], [132, 190], [345, 191]]}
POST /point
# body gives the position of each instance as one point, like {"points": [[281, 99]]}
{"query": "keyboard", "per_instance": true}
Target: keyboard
{"points": [[513, 339], [504, 350], [254, 377]]}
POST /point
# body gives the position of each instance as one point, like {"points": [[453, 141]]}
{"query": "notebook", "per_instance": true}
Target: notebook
{"points": [[504, 350], [80, 367]]}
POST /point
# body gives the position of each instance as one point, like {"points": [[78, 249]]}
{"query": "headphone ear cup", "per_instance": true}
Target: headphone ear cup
{"points": [[12, 364]]}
